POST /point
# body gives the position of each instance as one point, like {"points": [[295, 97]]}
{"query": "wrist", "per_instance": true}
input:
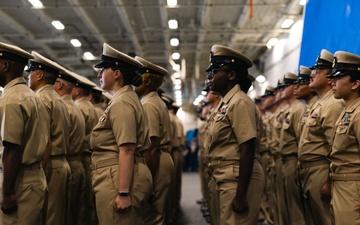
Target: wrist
{"points": [[124, 193]]}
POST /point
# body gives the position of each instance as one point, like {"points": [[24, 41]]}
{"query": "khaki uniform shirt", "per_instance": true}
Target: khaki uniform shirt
{"points": [[158, 119], [318, 132], [263, 146], [77, 125], [179, 131], [270, 139], [277, 126], [91, 119], [24, 121], [345, 150], [235, 122], [207, 138], [306, 112], [290, 132], [99, 110], [173, 132], [123, 122], [201, 136], [59, 119]]}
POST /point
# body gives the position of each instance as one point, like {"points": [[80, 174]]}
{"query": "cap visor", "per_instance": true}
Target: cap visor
{"points": [[101, 65]]}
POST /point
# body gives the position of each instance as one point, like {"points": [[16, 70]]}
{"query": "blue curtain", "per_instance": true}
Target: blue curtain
{"points": [[330, 24]]}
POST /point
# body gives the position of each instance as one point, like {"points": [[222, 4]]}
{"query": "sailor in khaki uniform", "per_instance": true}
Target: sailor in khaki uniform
{"points": [[303, 92], [213, 100], [231, 151], [316, 141], [282, 216], [289, 137], [42, 76], [64, 85], [344, 155], [24, 136], [270, 107], [95, 98], [177, 155], [80, 95], [158, 156], [122, 182]]}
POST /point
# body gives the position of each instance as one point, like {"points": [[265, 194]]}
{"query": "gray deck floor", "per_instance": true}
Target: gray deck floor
{"points": [[190, 211]]}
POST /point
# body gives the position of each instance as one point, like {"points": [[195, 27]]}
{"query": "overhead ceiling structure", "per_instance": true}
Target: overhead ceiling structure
{"points": [[141, 27]]}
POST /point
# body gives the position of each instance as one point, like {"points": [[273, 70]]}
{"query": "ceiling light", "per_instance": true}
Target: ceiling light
{"points": [[177, 75], [175, 56], [36, 3], [204, 92], [302, 2], [179, 102], [174, 42], [177, 81], [58, 25], [75, 42], [287, 23], [26, 68], [176, 67], [271, 43], [177, 87], [173, 24], [88, 55], [260, 79], [178, 92], [172, 3]]}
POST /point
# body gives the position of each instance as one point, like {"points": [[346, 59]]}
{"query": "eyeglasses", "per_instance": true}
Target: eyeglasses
{"points": [[213, 72], [302, 82]]}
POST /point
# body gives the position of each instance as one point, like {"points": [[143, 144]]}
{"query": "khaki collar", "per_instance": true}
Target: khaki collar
{"points": [[18, 80]]}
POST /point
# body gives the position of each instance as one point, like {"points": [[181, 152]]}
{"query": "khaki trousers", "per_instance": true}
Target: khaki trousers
{"points": [[282, 216], [214, 202], [345, 202], [226, 181], [90, 217], [202, 173], [312, 180], [77, 191], [105, 183], [293, 199], [30, 190], [154, 213], [58, 175], [173, 202]]}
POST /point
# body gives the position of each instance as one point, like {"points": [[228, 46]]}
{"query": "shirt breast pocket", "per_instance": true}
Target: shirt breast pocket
{"points": [[341, 130], [219, 118]]}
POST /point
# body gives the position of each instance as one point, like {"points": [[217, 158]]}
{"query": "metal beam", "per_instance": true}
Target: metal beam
{"points": [[88, 21], [125, 20], [24, 32], [166, 35]]}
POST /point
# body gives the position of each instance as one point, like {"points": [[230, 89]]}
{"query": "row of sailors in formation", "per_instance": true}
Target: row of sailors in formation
{"points": [[65, 161], [309, 146]]}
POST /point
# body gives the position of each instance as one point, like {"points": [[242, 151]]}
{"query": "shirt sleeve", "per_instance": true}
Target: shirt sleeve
{"points": [[13, 122], [122, 118], [243, 121], [153, 120], [329, 118]]}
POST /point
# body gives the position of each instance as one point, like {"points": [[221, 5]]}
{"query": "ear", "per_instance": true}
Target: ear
{"points": [[232, 75], [117, 74], [330, 81], [356, 85], [5, 65], [147, 82], [40, 75]]}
